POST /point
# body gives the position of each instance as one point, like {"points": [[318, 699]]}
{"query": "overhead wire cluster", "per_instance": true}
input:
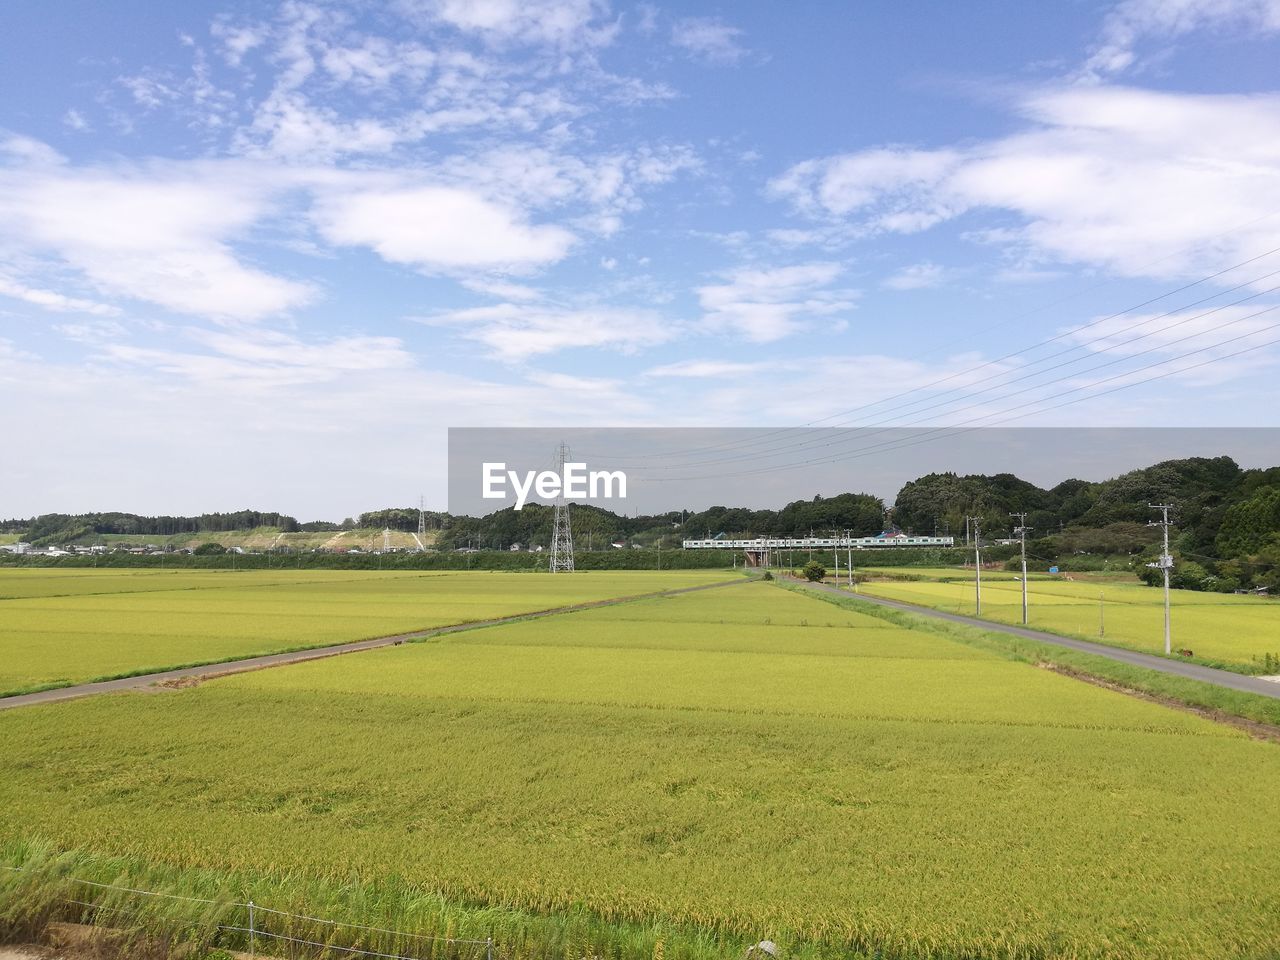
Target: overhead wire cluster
{"points": [[1114, 344]]}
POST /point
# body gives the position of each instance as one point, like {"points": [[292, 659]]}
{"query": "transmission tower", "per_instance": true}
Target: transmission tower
{"points": [[561, 533], [422, 519]]}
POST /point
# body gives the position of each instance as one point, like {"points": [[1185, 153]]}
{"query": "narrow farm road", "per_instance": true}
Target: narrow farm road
{"points": [[1192, 671], [208, 670]]}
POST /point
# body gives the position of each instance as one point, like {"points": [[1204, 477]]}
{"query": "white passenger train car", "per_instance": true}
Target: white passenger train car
{"points": [[804, 543]]}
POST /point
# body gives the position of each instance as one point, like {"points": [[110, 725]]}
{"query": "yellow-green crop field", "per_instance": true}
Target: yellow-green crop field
{"points": [[59, 627], [936, 573], [1225, 629], [677, 777]]}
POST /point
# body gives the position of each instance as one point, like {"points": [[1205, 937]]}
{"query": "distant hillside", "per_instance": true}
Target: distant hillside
{"points": [[1227, 522], [1226, 519]]}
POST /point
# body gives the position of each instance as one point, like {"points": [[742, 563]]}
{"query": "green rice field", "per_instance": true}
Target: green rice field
{"points": [[1237, 632], [674, 778], [66, 626]]}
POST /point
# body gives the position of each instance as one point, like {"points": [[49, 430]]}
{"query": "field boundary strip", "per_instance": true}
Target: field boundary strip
{"points": [[1228, 679], [254, 911], [209, 671]]}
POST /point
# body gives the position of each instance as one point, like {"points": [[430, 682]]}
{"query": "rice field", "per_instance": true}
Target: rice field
{"points": [[1237, 632], [677, 778], [64, 626]]}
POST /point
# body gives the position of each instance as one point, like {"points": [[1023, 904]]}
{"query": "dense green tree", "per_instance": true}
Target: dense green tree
{"points": [[1249, 524]]}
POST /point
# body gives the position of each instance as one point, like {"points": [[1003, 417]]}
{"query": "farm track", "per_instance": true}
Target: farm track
{"points": [[1191, 671], [174, 678]]}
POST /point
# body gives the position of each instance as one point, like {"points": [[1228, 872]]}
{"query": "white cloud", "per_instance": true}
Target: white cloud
{"points": [[1132, 22], [501, 289], [1143, 183], [706, 369], [92, 331], [75, 120], [901, 183], [610, 184], [515, 332], [288, 125], [708, 38], [193, 96], [374, 62], [395, 92], [237, 40], [51, 300], [560, 23], [917, 276], [169, 232], [264, 359], [438, 228], [646, 18], [763, 305], [161, 234], [149, 92]]}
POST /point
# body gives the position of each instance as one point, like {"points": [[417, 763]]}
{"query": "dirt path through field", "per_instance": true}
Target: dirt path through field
{"points": [[189, 675]]}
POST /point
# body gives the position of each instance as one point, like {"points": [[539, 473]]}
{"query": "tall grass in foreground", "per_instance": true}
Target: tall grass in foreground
{"points": [[165, 911]]}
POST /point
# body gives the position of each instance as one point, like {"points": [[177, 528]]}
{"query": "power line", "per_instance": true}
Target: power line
{"points": [[1141, 323], [977, 422], [929, 386], [819, 443]]}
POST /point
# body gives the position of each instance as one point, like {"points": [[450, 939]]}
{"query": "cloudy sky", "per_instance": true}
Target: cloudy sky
{"points": [[264, 255]]}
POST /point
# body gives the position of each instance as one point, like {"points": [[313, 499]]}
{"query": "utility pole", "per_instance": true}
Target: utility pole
{"points": [[973, 523], [1164, 565], [848, 542], [1102, 617], [1021, 529]]}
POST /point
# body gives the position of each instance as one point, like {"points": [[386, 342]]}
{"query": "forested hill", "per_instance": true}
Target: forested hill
{"points": [[61, 527], [1226, 520]]}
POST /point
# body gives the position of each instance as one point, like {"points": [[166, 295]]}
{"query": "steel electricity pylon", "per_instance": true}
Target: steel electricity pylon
{"points": [[561, 531]]}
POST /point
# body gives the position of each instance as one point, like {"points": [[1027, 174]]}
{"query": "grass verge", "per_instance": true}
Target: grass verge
{"points": [[40, 885]]}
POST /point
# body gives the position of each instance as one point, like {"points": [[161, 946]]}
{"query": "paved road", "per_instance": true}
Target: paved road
{"points": [[298, 656], [1193, 671]]}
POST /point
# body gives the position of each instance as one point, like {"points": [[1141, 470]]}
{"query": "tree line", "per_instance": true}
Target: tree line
{"points": [[1227, 521]]}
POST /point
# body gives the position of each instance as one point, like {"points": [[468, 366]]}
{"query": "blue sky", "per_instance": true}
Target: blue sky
{"points": [[265, 254]]}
